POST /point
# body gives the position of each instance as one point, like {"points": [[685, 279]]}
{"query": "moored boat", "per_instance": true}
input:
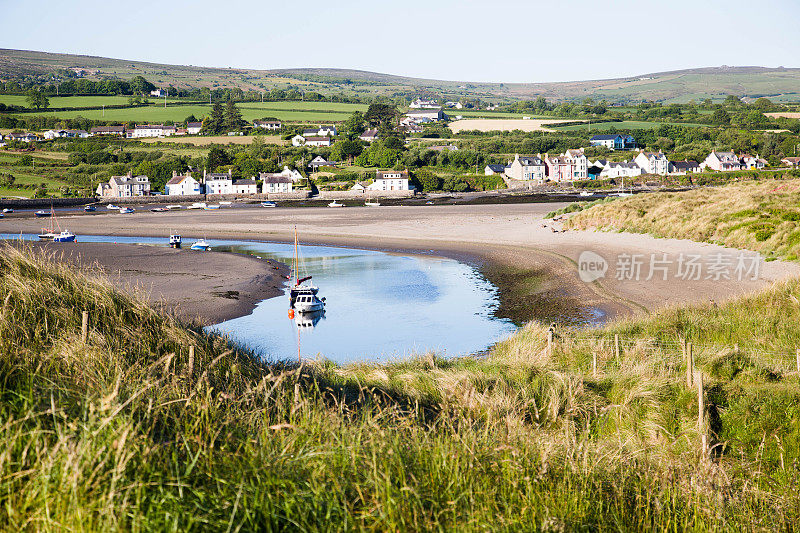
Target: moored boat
{"points": [[173, 206], [42, 213], [197, 205], [175, 240], [112, 207], [211, 207], [64, 236], [201, 245], [269, 204], [90, 208], [126, 210], [335, 204], [303, 295], [8, 210]]}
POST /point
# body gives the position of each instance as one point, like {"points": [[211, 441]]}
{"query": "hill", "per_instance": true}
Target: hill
{"points": [[780, 84]]}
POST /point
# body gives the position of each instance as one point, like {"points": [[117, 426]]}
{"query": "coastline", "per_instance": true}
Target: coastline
{"points": [[510, 244], [208, 287]]}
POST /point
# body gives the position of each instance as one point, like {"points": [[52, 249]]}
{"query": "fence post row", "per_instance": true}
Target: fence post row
{"points": [[85, 326]]}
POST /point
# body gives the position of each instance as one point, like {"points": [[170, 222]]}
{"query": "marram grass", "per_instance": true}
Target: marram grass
{"points": [[125, 432]]}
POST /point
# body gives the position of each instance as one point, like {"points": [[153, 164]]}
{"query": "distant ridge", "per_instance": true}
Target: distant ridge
{"points": [[781, 84]]}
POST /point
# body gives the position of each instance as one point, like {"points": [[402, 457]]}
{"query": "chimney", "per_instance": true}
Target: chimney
{"points": [[229, 172], [174, 173]]}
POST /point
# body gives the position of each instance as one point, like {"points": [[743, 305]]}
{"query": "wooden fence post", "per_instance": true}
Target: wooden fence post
{"points": [[701, 426], [550, 343], [797, 357], [594, 364], [689, 365], [191, 359], [85, 326], [616, 346]]}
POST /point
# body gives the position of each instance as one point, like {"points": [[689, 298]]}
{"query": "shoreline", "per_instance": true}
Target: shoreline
{"points": [[512, 245]]}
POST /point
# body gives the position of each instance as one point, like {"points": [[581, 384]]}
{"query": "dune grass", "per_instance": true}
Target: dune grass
{"points": [[126, 432], [758, 215]]}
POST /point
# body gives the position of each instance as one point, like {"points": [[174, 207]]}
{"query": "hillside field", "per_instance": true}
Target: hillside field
{"points": [[624, 125], [66, 101]]}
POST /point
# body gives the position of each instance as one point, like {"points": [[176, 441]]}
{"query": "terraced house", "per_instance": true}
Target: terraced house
{"points": [[653, 163], [722, 162], [124, 187], [527, 168]]}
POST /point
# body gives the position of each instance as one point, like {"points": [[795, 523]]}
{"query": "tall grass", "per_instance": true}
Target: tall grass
{"points": [[763, 216], [124, 432]]}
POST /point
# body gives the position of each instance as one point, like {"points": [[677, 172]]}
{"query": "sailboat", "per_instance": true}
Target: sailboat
{"points": [[49, 233], [302, 294]]}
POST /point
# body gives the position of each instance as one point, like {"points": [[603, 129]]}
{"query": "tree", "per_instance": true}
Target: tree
{"points": [[428, 181], [720, 117], [190, 118], [216, 158], [380, 115], [354, 124], [346, 149], [37, 99], [233, 117], [215, 122], [139, 85]]}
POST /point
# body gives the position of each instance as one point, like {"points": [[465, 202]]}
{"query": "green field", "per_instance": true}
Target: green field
{"points": [[291, 112], [67, 101], [624, 125]]}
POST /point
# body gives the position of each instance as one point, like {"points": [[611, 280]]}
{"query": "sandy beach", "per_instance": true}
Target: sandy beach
{"points": [[514, 236], [206, 286]]}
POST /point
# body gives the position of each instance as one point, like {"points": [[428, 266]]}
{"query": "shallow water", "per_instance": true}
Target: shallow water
{"points": [[379, 306]]}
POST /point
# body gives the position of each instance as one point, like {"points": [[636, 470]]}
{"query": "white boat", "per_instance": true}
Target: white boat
{"points": [[303, 295], [64, 236], [175, 240], [225, 202], [269, 204], [173, 206], [41, 213], [335, 204], [210, 207], [90, 208], [112, 207], [8, 210], [126, 210], [197, 205], [586, 193], [202, 245]]}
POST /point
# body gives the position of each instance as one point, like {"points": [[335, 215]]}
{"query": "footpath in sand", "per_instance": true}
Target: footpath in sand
{"points": [[638, 275]]}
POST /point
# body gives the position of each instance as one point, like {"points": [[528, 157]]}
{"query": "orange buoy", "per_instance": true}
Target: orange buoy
{"points": [[291, 313]]}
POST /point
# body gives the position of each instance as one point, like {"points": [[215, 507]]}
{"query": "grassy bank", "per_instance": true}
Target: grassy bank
{"points": [[763, 216], [127, 431]]}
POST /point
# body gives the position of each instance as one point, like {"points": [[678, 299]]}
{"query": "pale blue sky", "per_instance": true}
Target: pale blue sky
{"points": [[497, 40]]}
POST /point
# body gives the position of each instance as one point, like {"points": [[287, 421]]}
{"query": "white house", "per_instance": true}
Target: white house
{"points": [[390, 180], [369, 135], [626, 169], [24, 137], [54, 134], [653, 163], [193, 128], [579, 162], [322, 131], [298, 140], [526, 168], [245, 187], [151, 130], [108, 130], [320, 161], [455, 105], [218, 183], [182, 185], [490, 170], [124, 187], [318, 141], [681, 168], [158, 93], [615, 141], [722, 162], [429, 114], [275, 183], [749, 162], [287, 172], [267, 124], [423, 104]]}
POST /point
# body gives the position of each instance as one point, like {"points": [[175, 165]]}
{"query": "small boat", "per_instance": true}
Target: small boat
{"points": [[308, 321], [47, 235], [372, 203], [64, 236], [42, 213], [2, 215], [112, 207], [8, 210], [175, 240], [126, 210], [308, 303], [202, 245], [197, 205], [159, 209], [90, 208], [225, 202], [211, 207], [621, 194], [269, 204], [335, 204], [173, 206], [586, 193], [429, 202]]}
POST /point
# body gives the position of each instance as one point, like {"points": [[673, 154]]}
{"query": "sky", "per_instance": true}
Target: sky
{"points": [[465, 40]]}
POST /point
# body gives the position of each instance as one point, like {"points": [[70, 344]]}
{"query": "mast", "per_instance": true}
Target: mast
{"points": [[296, 274]]}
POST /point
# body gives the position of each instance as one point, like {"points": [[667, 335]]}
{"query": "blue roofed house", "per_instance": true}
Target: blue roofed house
{"points": [[614, 141]]}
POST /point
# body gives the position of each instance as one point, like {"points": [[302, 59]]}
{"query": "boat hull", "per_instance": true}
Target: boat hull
{"points": [[313, 307]]}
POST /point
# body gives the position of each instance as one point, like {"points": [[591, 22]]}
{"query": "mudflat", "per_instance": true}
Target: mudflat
{"points": [[209, 287]]}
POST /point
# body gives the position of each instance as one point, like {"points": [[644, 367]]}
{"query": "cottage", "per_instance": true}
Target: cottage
{"points": [[319, 162], [443, 148], [653, 163], [158, 93], [491, 170], [194, 128], [681, 168], [722, 161], [558, 169], [369, 136], [454, 105], [322, 131], [267, 124], [108, 130], [23, 137], [423, 104], [124, 187], [318, 141], [218, 183], [298, 140], [150, 130], [431, 115], [182, 185], [615, 141], [791, 161], [626, 169], [579, 162], [390, 180], [359, 186], [411, 128], [526, 168], [749, 162], [287, 172], [275, 183], [245, 187]]}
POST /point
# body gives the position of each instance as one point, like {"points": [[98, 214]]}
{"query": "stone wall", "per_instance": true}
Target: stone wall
{"points": [[357, 195]]}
